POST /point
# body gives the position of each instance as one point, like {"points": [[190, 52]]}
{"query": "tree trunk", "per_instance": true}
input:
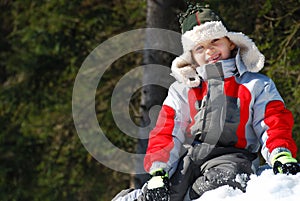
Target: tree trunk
{"points": [[160, 14]]}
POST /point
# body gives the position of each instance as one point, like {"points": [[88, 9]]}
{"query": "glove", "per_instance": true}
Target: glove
{"points": [[158, 187], [283, 162]]}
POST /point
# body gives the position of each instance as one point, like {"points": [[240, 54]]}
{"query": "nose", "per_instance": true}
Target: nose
{"points": [[210, 50]]}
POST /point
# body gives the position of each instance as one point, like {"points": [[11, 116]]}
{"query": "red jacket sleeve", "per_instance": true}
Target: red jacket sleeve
{"points": [[160, 139], [280, 122]]}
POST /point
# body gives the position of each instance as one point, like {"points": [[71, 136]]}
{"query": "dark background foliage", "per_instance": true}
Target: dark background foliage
{"points": [[42, 46]]}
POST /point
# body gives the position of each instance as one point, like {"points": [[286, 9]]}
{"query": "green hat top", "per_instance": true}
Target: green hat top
{"points": [[196, 15]]}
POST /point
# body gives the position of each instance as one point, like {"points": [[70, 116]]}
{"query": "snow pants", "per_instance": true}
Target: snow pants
{"points": [[222, 166], [202, 169]]}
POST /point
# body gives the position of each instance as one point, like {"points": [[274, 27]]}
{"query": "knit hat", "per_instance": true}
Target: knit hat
{"points": [[200, 24]]}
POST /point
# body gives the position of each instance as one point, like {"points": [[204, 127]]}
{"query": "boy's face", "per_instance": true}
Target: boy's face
{"points": [[212, 51]]}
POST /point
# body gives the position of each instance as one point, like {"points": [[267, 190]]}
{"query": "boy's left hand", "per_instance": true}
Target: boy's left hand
{"points": [[284, 163]]}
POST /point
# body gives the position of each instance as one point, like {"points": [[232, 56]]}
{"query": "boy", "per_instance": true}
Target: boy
{"points": [[222, 110]]}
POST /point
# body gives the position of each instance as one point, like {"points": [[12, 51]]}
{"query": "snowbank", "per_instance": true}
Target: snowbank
{"points": [[267, 186]]}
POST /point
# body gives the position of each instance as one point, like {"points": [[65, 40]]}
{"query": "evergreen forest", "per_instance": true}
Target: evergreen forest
{"points": [[43, 44]]}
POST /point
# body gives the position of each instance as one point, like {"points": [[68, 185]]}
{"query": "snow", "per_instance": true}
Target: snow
{"points": [[266, 187]]}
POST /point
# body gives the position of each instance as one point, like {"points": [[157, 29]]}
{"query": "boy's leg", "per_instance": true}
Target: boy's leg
{"points": [[223, 170], [183, 178]]}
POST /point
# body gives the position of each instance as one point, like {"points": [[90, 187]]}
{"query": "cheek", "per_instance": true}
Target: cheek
{"points": [[226, 52], [199, 59]]}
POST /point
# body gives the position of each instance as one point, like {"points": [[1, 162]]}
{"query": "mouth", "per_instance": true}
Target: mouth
{"points": [[214, 58]]}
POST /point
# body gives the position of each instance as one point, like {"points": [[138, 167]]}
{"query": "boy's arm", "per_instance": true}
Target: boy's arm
{"points": [[166, 139], [275, 124], [279, 121], [160, 141]]}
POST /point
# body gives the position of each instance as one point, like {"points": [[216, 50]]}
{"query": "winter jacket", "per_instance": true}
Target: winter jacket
{"points": [[256, 118]]}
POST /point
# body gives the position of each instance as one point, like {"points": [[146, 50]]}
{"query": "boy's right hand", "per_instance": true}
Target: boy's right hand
{"points": [[158, 187]]}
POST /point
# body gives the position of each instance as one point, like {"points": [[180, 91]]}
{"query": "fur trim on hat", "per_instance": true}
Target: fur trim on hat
{"points": [[184, 71], [207, 31], [250, 55], [252, 58]]}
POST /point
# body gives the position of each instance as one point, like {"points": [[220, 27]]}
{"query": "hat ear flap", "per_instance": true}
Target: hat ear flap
{"points": [[183, 70], [250, 55]]}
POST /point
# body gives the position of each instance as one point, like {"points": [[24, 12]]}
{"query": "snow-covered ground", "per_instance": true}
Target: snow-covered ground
{"points": [[266, 187]]}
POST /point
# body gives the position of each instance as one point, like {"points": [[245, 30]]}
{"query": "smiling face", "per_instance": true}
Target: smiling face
{"points": [[212, 51]]}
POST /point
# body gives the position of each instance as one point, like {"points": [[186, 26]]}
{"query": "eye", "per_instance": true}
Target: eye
{"points": [[215, 40], [198, 48]]}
